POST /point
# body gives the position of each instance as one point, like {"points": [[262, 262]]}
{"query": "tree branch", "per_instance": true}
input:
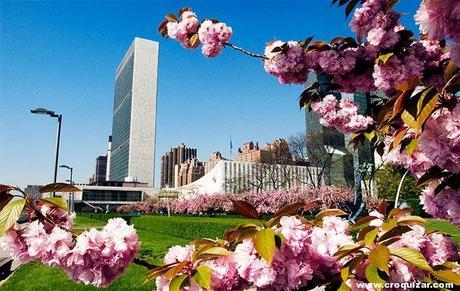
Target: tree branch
{"points": [[144, 263], [245, 51]]}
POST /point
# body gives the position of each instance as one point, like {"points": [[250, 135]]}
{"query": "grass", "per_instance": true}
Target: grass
{"points": [[156, 237]]}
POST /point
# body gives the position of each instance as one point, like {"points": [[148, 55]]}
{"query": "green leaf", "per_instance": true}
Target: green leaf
{"points": [[370, 237], [411, 219], [10, 213], [57, 201], [202, 276], [412, 146], [447, 276], [264, 243], [372, 275], [344, 273], [385, 57], [412, 256], [380, 257], [59, 187], [425, 105], [177, 283], [451, 265], [343, 287]]}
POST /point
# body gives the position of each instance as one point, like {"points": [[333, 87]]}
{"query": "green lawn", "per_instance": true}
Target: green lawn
{"points": [[157, 234]]}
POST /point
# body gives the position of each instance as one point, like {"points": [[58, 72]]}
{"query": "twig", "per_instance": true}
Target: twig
{"points": [[245, 51], [144, 263], [399, 188]]}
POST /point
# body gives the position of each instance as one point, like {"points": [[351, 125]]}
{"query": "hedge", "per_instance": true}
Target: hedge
{"points": [[184, 226], [188, 228]]}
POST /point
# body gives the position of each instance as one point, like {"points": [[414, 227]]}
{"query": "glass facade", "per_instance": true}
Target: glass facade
{"points": [[122, 122], [111, 195]]}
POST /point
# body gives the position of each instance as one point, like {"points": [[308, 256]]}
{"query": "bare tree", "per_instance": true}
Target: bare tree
{"points": [[312, 150]]}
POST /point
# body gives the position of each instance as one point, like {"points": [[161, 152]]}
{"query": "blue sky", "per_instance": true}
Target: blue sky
{"points": [[63, 56]]}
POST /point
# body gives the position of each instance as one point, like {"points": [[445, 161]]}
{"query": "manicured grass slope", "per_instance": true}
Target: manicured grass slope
{"points": [[157, 234]]}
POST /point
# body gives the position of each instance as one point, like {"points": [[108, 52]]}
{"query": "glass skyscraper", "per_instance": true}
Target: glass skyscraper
{"points": [[134, 114]]}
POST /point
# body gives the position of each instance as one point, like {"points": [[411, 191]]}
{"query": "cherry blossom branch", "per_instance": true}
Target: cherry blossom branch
{"points": [[144, 263], [245, 51]]}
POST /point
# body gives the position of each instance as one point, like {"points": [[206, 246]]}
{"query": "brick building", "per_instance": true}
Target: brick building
{"points": [[172, 159], [189, 172], [213, 160]]}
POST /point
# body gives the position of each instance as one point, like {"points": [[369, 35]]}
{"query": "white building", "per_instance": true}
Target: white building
{"points": [[237, 177], [134, 114]]}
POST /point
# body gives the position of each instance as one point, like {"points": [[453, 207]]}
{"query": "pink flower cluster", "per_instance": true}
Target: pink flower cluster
{"points": [[376, 24], [439, 144], [265, 202], [440, 19], [395, 71], [335, 62], [190, 33], [183, 30], [97, 257], [290, 65], [440, 140], [445, 205], [342, 115], [213, 36], [305, 254], [436, 248], [224, 275]]}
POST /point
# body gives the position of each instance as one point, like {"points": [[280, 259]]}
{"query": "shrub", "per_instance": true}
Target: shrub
{"points": [[265, 202]]}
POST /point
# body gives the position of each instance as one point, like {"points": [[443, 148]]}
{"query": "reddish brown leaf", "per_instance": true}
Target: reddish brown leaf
{"points": [[364, 220], [288, 210], [245, 209], [59, 187]]}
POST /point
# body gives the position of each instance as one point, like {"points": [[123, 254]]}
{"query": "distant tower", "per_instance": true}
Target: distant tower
{"points": [[134, 114], [109, 154]]}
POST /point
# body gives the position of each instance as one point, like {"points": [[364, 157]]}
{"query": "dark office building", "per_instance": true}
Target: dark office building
{"points": [[101, 169]]}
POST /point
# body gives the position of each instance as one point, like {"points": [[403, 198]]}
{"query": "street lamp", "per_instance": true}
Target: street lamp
{"points": [[44, 111], [71, 198]]}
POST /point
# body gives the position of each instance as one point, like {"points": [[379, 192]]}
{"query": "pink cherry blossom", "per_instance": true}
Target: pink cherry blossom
{"points": [[289, 66], [183, 30], [342, 115], [440, 140], [213, 36], [445, 205], [440, 249], [439, 19]]}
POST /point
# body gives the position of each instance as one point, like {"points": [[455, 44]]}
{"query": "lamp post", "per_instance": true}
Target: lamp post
{"points": [[44, 111], [71, 197]]}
